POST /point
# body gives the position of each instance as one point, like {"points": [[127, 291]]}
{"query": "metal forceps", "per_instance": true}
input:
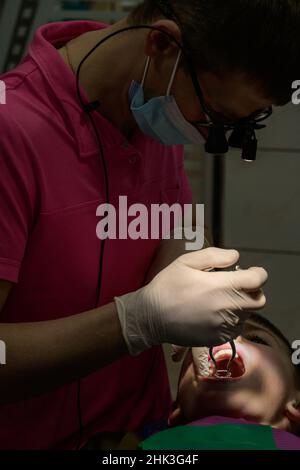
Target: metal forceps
{"points": [[224, 372], [221, 372]]}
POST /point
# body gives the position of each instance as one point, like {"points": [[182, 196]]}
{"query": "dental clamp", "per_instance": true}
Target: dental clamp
{"points": [[226, 372]]}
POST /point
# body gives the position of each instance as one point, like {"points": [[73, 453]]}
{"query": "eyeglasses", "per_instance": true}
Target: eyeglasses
{"points": [[214, 118], [243, 131]]}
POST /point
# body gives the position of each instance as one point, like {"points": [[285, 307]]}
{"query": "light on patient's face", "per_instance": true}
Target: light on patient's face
{"points": [[260, 384]]}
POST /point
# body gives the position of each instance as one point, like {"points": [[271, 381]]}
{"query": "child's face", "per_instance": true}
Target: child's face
{"points": [[261, 386]]}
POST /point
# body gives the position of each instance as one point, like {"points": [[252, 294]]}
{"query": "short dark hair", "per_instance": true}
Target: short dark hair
{"points": [[258, 38], [265, 323]]}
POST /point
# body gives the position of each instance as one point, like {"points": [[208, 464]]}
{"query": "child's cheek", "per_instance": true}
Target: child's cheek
{"points": [[189, 393], [271, 372]]}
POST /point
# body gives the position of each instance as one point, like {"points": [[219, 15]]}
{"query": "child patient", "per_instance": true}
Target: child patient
{"points": [[258, 407]]}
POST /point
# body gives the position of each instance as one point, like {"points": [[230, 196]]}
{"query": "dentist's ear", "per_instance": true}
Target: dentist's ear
{"points": [[293, 411], [159, 42]]}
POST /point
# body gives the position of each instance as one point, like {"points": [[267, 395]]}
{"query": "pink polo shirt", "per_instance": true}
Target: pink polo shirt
{"points": [[50, 187]]}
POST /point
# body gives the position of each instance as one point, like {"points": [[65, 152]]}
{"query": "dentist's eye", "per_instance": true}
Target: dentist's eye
{"points": [[256, 339]]}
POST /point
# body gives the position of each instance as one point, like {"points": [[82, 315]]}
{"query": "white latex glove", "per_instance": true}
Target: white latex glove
{"points": [[200, 358], [188, 306]]}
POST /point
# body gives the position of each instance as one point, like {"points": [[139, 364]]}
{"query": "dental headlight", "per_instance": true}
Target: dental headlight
{"points": [[245, 139], [243, 136], [216, 143]]}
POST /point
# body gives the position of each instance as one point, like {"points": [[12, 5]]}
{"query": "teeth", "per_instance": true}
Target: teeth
{"points": [[206, 368], [224, 354]]}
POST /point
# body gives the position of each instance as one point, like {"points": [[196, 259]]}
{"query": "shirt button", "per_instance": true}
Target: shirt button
{"points": [[126, 144]]}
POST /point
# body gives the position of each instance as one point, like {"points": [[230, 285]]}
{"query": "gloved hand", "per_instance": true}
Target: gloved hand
{"points": [[188, 306], [199, 355]]}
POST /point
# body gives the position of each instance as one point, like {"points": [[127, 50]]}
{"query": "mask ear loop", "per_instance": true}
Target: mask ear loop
{"points": [[146, 71], [174, 73], [172, 76]]}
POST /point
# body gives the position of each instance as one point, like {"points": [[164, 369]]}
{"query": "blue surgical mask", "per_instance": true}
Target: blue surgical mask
{"points": [[161, 118]]}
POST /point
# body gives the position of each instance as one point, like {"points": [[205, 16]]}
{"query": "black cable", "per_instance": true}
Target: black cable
{"points": [[88, 108], [99, 283]]}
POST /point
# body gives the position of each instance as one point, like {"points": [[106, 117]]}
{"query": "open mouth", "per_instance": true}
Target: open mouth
{"points": [[225, 367]]}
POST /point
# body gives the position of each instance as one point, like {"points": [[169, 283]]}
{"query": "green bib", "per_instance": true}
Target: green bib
{"points": [[213, 437]]}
